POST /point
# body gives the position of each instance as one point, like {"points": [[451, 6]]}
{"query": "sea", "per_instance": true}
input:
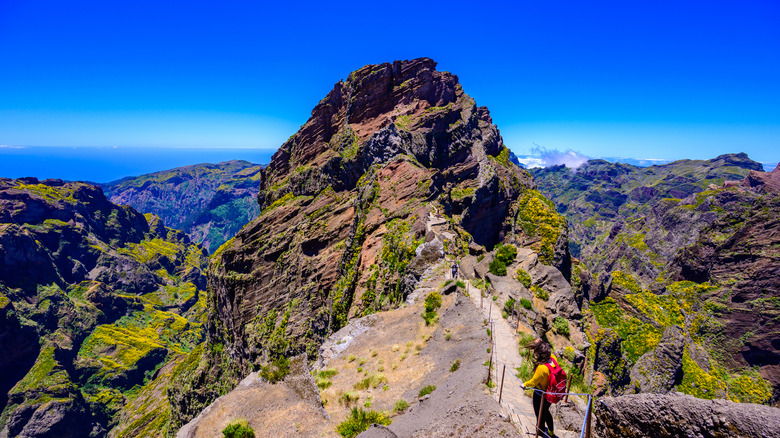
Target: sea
{"points": [[106, 164]]}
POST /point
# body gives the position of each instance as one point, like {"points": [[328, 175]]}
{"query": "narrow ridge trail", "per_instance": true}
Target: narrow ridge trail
{"points": [[505, 351], [515, 403]]}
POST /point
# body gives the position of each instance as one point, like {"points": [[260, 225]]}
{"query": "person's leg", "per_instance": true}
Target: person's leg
{"points": [[537, 400], [540, 405], [547, 417]]}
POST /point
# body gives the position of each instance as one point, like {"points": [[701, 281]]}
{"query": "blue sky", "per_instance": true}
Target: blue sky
{"points": [[647, 79]]}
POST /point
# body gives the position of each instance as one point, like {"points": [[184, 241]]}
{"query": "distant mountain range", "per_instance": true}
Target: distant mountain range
{"points": [[697, 235], [533, 161], [209, 202]]}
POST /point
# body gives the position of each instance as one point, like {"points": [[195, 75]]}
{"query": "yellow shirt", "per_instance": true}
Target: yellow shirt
{"points": [[541, 377]]}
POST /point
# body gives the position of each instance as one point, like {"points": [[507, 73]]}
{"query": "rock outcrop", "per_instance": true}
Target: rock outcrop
{"points": [[658, 371], [671, 416]]}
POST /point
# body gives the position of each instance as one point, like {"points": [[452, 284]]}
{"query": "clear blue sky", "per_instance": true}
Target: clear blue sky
{"points": [[646, 79]]}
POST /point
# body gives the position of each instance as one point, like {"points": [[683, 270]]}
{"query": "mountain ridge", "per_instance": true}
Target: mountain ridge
{"points": [[209, 202]]}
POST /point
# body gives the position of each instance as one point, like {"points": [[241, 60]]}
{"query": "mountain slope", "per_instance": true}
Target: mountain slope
{"points": [[690, 244], [209, 202], [604, 200], [94, 297], [345, 204]]}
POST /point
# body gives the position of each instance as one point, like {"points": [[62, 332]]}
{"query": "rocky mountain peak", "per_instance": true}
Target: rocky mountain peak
{"points": [[378, 112], [348, 203]]}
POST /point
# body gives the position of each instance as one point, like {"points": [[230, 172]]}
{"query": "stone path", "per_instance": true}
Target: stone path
{"points": [[518, 406]]}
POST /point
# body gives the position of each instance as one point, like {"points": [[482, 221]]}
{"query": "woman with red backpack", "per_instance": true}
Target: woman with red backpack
{"points": [[547, 381]]}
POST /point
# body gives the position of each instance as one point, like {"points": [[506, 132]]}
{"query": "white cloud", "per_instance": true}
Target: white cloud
{"points": [[553, 157]]}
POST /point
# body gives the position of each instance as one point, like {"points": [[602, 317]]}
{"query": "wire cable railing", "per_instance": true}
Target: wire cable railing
{"points": [[494, 363]]}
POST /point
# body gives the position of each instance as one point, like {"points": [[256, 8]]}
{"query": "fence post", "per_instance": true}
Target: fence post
{"points": [[589, 416], [501, 391], [490, 366], [539, 416]]}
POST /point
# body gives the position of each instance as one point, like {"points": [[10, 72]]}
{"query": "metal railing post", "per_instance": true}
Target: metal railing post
{"points": [[501, 391]]}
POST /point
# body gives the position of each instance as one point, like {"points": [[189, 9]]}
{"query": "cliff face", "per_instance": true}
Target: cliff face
{"points": [[209, 202], [93, 298], [345, 203]]}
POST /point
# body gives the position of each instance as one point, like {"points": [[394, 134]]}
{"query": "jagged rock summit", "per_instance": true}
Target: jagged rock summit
{"points": [[378, 113], [345, 202]]}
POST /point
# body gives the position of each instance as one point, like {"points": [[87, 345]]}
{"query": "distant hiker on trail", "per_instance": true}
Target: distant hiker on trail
{"points": [[454, 270], [544, 363]]}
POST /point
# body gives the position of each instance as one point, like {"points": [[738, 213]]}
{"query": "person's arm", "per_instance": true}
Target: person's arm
{"points": [[538, 378]]}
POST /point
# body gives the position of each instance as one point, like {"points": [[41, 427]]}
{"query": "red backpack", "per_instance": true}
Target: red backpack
{"points": [[557, 383]]}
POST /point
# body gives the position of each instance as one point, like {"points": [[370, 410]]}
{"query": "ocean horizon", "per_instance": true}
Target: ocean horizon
{"points": [[106, 164]]}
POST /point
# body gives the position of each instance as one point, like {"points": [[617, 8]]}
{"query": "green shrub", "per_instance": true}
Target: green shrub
{"points": [[524, 340], [561, 326], [526, 303], [506, 253], [323, 378], [509, 306], [432, 302], [238, 429], [348, 398], [523, 277], [480, 257], [497, 267], [455, 365], [400, 405], [374, 380], [359, 420], [540, 293], [426, 390], [569, 354], [276, 370]]}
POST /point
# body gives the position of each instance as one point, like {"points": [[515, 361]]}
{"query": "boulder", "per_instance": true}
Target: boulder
{"points": [[658, 370], [466, 266], [677, 415], [483, 267]]}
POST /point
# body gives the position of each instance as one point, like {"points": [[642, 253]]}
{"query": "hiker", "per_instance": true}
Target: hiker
{"points": [[454, 270], [543, 362]]}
